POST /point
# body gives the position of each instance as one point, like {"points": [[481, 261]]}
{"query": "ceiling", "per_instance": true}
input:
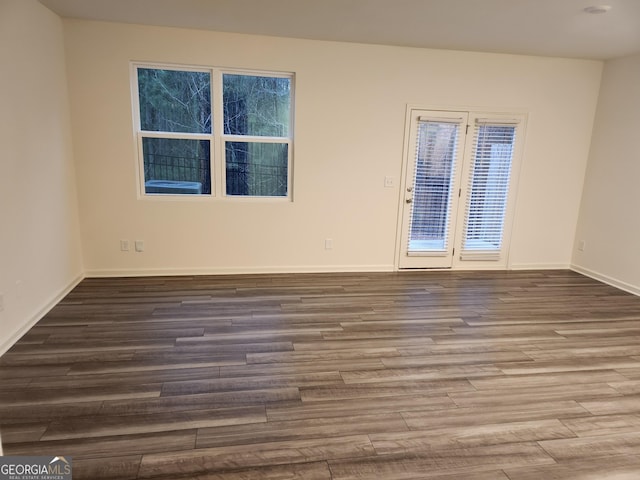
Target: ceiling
{"points": [[558, 28]]}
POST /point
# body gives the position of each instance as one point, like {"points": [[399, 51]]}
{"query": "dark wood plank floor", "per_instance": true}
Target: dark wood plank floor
{"points": [[418, 375]]}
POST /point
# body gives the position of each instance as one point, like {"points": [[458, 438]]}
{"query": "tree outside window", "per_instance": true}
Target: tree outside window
{"points": [[177, 134]]}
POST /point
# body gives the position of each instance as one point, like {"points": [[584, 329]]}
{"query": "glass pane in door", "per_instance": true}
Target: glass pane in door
{"points": [[489, 187], [432, 187]]}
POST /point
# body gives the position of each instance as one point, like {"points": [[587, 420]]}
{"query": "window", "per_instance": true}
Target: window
{"points": [[435, 166], [488, 187], [206, 131], [175, 130], [257, 113]]}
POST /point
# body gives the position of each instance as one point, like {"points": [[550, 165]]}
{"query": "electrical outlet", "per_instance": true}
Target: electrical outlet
{"points": [[582, 245], [1, 302], [124, 245], [139, 244], [389, 182], [328, 243]]}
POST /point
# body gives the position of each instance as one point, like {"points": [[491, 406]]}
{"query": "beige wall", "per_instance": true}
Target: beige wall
{"points": [[40, 256], [350, 110], [610, 213]]}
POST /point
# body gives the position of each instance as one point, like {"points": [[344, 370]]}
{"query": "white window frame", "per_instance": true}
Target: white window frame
{"points": [[222, 138], [217, 138]]}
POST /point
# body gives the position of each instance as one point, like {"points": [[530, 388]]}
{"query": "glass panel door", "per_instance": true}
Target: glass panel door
{"points": [[493, 151], [432, 186]]}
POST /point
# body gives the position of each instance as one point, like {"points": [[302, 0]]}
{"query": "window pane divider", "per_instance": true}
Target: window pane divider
{"points": [[255, 138], [176, 135]]}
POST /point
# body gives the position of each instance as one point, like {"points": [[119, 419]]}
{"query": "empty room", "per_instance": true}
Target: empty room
{"points": [[285, 239]]}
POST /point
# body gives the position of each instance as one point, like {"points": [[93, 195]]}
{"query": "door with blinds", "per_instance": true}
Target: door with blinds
{"points": [[458, 196]]}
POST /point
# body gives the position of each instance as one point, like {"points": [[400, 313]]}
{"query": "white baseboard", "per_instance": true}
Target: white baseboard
{"points": [[157, 272], [614, 282], [8, 343], [160, 272]]}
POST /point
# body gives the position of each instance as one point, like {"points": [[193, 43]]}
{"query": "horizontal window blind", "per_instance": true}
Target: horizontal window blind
{"points": [[488, 188], [437, 142]]}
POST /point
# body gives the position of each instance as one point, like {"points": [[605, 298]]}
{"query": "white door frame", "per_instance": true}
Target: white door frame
{"points": [[518, 157]]}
